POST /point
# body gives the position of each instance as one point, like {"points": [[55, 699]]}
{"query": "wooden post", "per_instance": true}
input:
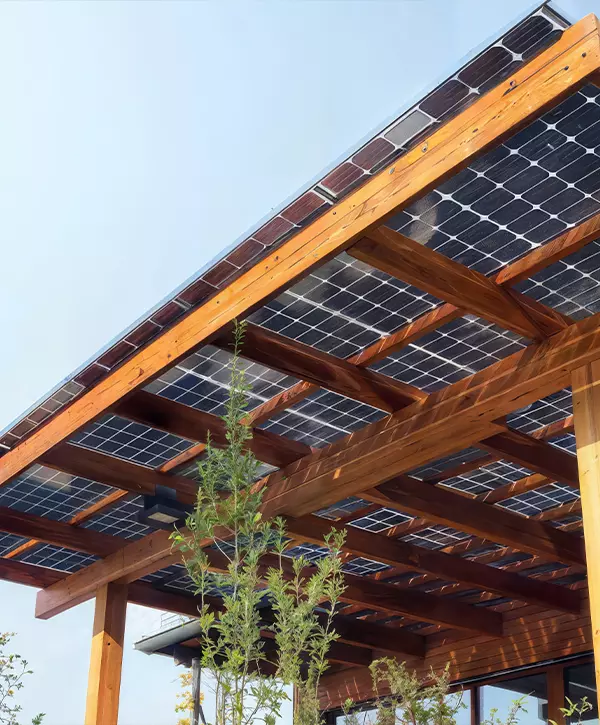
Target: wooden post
{"points": [[555, 678], [586, 411], [104, 683]]}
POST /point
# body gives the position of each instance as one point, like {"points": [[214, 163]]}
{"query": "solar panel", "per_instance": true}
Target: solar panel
{"points": [[134, 442], [121, 519], [55, 557], [45, 492]]}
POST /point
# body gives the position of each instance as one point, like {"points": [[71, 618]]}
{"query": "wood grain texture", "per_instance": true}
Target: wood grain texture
{"points": [[323, 370], [530, 636], [404, 555], [195, 425], [430, 271], [445, 507], [586, 413], [539, 84], [104, 681], [535, 455]]}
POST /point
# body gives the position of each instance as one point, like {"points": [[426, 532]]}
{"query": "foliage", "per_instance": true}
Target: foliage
{"points": [[575, 710], [255, 640], [13, 670], [185, 703], [412, 700]]}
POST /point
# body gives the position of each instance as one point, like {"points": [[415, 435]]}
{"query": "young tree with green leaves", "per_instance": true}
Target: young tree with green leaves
{"points": [[273, 626], [13, 670]]}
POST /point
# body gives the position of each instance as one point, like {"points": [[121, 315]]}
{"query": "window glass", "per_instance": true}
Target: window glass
{"points": [[580, 682], [502, 695]]}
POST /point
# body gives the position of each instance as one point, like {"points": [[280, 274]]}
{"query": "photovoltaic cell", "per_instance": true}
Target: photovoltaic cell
{"points": [[380, 520], [121, 519], [134, 442], [202, 381], [343, 307], [55, 557], [342, 508], [8, 542], [436, 537], [434, 468], [488, 478], [450, 353], [322, 418], [543, 180], [547, 497], [548, 410], [45, 492]]}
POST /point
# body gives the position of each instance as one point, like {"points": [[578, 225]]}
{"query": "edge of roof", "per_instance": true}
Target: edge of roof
{"points": [[407, 106]]}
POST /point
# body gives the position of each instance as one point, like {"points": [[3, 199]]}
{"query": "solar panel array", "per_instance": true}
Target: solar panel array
{"points": [[540, 182]]}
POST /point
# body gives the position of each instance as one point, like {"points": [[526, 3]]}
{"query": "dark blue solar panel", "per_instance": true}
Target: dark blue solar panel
{"points": [[55, 557], [548, 410], [450, 353], [121, 519], [8, 542], [202, 381], [53, 494], [132, 441]]}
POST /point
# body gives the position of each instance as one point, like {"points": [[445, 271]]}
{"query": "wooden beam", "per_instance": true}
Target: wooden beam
{"points": [[586, 412], [535, 455], [58, 533], [125, 475], [541, 83], [414, 604], [531, 263], [79, 518], [443, 506], [187, 422], [541, 257], [104, 682], [514, 488], [430, 271], [322, 369], [400, 553], [448, 421]]}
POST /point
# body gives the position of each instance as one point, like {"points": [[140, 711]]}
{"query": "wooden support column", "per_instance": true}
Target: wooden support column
{"points": [[586, 411], [104, 683]]}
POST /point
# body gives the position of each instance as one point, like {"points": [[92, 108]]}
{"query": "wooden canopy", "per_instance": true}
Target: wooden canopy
{"points": [[416, 322]]}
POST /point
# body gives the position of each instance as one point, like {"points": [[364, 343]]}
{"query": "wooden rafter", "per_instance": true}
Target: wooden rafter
{"points": [[540, 83], [445, 507], [187, 422], [399, 553], [426, 269], [445, 423]]}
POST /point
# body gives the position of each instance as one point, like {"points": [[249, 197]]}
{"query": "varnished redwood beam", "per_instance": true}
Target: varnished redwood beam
{"points": [[187, 422], [128, 476], [400, 553], [76, 520], [514, 488], [445, 507], [586, 412], [430, 271], [323, 370], [448, 421], [535, 455], [104, 682], [541, 83], [396, 600], [58, 533]]}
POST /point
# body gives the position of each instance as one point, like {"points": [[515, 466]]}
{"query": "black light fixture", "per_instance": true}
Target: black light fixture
{"points": [[163, 510]]}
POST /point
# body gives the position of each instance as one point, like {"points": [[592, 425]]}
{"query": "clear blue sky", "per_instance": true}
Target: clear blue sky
{"points": [[137, 140]]}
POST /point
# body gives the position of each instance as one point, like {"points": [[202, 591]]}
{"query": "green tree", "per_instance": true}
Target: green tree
{"points": [[263, 634], [13, 670]]}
